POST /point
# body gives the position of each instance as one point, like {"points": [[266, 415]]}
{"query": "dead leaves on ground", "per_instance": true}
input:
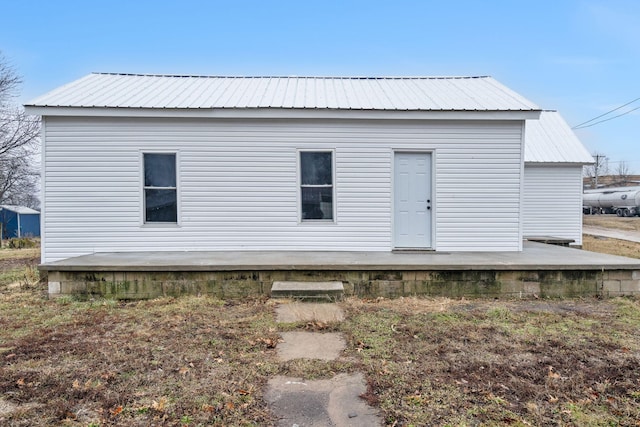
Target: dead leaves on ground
{"points": [[268, 342], [184, 370], [316, 326], [159, 405]]}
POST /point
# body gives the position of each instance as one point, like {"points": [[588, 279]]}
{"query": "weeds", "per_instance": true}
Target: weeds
{"points": [[22, 243]]}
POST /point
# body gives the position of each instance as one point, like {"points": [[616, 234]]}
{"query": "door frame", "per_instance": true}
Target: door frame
{"points": [[434, 210]]}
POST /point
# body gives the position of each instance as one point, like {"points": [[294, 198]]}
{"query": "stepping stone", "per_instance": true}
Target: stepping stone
{"points": [[310, 345], [308, 312], [333, 402], [329, 291]]}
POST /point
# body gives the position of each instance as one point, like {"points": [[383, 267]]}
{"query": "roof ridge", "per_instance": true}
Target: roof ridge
{"points": [[295, 76]]}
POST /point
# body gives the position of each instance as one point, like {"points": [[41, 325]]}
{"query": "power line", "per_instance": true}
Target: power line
{"points": [[580, 125], [606, 120]]}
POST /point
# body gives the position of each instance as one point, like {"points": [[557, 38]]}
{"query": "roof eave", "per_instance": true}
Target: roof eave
{"points": [[553, 163], [274, 113]]}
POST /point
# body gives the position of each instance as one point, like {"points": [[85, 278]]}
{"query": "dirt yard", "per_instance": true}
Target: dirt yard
{"points": [[200, 361], [609, 245], [612, 221]]}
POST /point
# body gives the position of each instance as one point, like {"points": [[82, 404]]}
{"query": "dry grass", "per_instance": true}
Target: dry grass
{"points": [[499, 363], [164, 362], [612, 221], [607, 245], [7, 254]]}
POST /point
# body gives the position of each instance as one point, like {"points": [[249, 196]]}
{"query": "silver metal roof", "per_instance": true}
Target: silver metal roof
{"points": [[22, 210], [348, 93], [551, 140]]}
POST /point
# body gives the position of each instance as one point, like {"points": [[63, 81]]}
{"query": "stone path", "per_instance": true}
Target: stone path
{"points": [[332, 402], [310, 345]]}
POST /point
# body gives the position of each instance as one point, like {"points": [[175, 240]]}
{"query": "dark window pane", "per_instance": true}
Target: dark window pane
{"points": [[317, 203], [159, 170], [316, 168], [161, 205]]}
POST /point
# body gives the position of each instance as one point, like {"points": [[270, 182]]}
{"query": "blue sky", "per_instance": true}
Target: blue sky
{"points": [[581, 57]]}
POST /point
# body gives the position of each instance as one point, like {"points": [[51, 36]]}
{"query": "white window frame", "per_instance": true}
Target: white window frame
{"points": [[143, 221], [334, 218]]}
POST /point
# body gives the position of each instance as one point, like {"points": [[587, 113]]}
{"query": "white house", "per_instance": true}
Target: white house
{"points": [[552, 196], [155, 163]]}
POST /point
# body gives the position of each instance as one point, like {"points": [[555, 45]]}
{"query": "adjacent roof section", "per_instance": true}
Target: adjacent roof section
{"points": [[551, 140], [331, 93]]}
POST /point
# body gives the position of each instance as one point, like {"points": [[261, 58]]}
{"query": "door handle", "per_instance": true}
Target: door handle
{"points": [[428, 204]]}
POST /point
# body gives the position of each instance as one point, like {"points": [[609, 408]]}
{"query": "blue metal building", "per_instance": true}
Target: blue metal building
{"points": [[19, 221]]}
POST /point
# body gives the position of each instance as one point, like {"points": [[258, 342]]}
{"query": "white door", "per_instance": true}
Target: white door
{"points": [[412, 200]]}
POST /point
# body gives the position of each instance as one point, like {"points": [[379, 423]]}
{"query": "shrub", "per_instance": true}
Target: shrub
{"points": [[21, 243]]}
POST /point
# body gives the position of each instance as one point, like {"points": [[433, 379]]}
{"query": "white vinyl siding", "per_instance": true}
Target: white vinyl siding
{"points": [[552, 202], [239, 184]]}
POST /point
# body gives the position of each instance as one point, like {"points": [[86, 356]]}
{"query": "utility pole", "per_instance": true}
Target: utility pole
{"points": [[596, 166]]}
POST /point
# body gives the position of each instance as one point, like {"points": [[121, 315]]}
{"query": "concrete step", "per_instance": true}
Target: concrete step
{"points": [[329, 291]]}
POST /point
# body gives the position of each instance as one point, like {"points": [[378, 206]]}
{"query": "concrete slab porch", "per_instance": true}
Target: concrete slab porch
{"points": [[540, 269]]}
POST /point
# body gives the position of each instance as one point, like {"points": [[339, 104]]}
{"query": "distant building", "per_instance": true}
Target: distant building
{"points": [[19, 221]]}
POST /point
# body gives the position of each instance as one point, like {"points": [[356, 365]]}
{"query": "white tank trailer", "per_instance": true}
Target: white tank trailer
{"points": [[621, 203]]}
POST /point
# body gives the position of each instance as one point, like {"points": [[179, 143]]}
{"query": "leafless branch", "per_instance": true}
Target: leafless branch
{"points": [[19, 139], [9, 81]]}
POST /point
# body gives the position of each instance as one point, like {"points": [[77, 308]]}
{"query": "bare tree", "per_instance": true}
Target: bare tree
{"points": [[623, 172], [19, 140], [599, 168], [9, 81]]}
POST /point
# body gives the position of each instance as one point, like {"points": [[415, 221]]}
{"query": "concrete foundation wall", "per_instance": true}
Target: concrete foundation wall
{"points": [[370, 284]]}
